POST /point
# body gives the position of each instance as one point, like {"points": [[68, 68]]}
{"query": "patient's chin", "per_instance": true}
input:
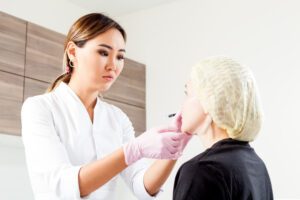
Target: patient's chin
{"points": [[187, 130]]}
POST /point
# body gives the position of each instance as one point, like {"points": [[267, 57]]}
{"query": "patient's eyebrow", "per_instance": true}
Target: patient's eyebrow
{"points": [[185, 89]]}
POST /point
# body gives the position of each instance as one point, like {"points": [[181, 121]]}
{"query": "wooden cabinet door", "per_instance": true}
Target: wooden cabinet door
{"points": [[136, 115], [130, 86], [34, 87], [12, 44], [44, 53], [11, 98]]}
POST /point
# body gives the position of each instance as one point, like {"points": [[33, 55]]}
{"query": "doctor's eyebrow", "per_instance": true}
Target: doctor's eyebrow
{"points": [[109, 47]]}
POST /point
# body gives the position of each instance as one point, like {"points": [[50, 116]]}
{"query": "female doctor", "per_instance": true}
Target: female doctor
{"points": [[75, 143]]}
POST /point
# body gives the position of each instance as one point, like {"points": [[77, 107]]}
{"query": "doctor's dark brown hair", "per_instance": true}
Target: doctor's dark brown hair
{"points": [[85, 28]]}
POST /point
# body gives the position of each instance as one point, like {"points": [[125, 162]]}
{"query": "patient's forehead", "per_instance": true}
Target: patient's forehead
{"points": [[190, 88]]}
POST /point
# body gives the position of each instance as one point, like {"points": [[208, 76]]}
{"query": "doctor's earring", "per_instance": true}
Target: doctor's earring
{"points": [[71, 64]]}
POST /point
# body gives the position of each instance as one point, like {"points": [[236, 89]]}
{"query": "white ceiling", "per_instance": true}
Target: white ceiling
{"points": [[118, 7]]}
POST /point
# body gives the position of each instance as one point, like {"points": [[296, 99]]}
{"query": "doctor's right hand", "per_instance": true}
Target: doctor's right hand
{"points": [[157, 143]]}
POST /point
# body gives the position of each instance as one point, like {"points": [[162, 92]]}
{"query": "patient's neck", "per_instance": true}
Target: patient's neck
{"points": [[213, 135]]}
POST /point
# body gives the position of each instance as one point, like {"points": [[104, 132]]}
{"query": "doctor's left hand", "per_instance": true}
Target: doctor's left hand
{"points": [[158, 143], [176, 125]]}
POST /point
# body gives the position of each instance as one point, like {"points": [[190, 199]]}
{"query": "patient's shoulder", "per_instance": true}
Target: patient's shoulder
{"points": [[198, 180]]}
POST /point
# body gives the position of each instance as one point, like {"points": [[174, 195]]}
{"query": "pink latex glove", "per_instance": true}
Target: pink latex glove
{"points": [[185, 138], [154, 144]]}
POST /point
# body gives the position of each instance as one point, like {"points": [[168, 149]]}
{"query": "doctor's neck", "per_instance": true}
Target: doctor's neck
{"points": [[87, 96]]}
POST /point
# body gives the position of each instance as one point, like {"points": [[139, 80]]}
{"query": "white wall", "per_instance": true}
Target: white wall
{"points": [[263, 34], [14, 182], [57, 15]]}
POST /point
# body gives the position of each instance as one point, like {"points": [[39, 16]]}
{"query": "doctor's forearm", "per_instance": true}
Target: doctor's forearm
{"points": [[95, 174], [157, 174]]}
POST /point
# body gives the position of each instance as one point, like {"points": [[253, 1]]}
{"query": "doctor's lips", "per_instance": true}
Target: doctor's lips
{"points": [[108, 77]]}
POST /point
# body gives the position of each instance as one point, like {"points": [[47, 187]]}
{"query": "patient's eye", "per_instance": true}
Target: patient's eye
{"points": [[185, 90]]}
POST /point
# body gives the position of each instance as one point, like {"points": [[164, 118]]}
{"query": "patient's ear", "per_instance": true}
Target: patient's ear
{"points": [[206, 123]]}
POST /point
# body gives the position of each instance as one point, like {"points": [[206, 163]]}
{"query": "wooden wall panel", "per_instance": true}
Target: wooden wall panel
{"points": [[130, 86], [34, 87], [136, 115], [44, 53], [11, 96], [12, 44]]}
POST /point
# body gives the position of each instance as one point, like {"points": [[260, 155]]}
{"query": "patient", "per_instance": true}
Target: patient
{"points": [[222, 108]]}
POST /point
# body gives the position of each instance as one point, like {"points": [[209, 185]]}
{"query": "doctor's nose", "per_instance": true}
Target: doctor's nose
{"points": [[111, 64]]}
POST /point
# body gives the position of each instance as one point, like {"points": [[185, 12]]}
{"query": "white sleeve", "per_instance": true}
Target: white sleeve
{"points": [[49, 167], [134, 174]]}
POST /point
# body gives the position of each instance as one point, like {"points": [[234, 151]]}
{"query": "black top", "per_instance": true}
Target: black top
{"points": [[230, 169]]}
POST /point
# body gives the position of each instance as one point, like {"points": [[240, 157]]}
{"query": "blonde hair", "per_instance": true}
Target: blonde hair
{"points": [[85, 28], [227, 91]]}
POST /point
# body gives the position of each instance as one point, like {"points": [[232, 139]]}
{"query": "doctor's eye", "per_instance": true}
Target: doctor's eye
{"points": [[103, 53], [120, 57]]}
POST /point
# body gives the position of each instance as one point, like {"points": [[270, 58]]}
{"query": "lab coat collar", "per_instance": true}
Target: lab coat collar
{"points": [[64, 89]]}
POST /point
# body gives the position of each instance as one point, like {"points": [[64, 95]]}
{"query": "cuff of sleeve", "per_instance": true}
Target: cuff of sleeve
{"points": [[72, 182], [140, 190]]}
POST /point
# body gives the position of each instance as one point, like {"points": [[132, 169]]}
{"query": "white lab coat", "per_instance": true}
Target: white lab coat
{"points": [[59, 138]]}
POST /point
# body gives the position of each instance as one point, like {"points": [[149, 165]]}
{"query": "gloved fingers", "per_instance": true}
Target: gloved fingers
{"points": [[172, 138], [175, 156], [171, 150], [167, 128], [173, 147], [171, 142], [178, 120], [179, 136], [175, 144], [179, 145]]}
